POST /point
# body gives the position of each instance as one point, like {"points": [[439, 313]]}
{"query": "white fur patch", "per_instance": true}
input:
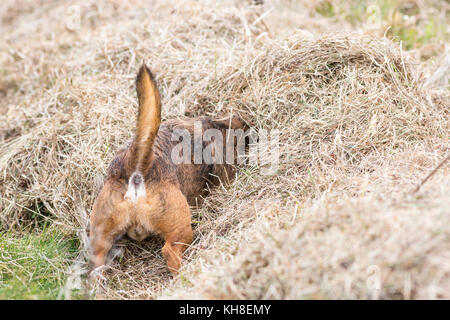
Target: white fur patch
{"points": [[135, 191]]}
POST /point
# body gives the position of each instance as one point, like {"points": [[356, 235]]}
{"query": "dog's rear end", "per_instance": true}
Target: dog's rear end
{"points": [[145, 192]]}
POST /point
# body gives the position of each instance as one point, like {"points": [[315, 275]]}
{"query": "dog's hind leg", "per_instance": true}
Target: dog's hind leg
{"points": [[173, 249], [103, 233], [101, 244], [175, 228]]}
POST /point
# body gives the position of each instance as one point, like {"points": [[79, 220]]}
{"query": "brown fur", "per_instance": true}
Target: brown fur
{"points": [[169, 188], [149, 119]]}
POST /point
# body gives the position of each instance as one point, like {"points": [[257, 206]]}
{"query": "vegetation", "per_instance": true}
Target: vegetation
{"points": [[33, 265]]}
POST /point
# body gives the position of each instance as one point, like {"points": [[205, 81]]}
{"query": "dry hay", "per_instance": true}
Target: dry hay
{"points": [[357, 128]]}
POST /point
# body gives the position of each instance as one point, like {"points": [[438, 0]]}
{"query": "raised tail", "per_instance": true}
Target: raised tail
{"points": [[148, 121]]}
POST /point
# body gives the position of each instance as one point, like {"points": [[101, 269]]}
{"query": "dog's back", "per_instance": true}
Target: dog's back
{"points": [[192, 177]]}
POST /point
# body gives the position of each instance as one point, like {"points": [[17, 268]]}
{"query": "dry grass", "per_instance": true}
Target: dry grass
{"points": [[359, 129]]}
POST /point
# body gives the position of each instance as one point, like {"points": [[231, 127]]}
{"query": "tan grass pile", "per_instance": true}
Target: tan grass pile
{"points": [[371, 239], [358, 131]]}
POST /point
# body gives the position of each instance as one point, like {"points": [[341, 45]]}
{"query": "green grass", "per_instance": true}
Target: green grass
{"points": [[33, 266], [326, 9], [425, 30]]}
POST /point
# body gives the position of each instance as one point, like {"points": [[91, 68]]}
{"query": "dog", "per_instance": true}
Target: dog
{"points": [[145, 192]]}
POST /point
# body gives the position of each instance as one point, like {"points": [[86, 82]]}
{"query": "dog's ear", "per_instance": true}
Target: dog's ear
{"points": [[148, 121]]}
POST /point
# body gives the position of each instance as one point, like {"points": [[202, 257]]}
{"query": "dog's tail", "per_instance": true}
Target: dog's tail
{"points": [[148, 121]]}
